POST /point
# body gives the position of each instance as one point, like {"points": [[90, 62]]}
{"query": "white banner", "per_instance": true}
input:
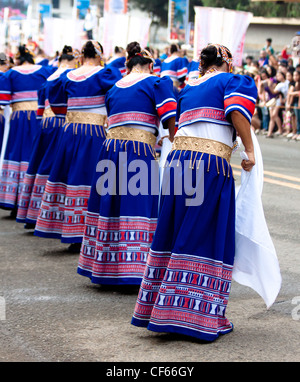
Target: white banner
{"points": [[59, 32], [121, 29], [221, 26]]}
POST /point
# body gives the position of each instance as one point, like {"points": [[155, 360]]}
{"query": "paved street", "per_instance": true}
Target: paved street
{"points": [[53, 314]]}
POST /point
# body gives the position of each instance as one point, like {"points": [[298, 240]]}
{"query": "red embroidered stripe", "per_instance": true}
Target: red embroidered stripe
{"points": [[193, 115], [5, 97], [24, 95], [92, 101], [182, 72], [133, 117], [40, 112], [167, 107], [236, 100], [59, 110]]}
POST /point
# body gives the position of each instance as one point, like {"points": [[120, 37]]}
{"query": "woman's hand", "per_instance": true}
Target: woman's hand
{"points": [[247, 165]]}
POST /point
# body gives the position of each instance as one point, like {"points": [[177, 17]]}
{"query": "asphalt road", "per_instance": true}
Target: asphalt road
{"points": [[48, 313]]}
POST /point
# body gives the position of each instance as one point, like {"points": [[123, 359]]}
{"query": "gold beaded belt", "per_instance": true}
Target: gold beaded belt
{"points": [[25, 106], [48, 113], [203, 145], [1, 111], [85, 118], [132, 134]]}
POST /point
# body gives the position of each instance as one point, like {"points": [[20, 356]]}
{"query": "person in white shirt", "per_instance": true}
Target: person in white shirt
{"points": [[281, 90]]}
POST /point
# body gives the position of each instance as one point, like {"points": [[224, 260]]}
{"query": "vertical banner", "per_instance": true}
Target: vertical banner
{"points": [[178, 20], [120, 28], [221, 26], [115, 6]]}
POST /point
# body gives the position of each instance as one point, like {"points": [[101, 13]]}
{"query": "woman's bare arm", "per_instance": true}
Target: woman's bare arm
{"points": [[242, 127]]}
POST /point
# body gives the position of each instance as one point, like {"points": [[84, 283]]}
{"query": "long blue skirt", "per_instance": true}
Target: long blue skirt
{"points": [[24, 128], [2, 127], [40, 164], [187, 279], [65, 199], [122, 214]]}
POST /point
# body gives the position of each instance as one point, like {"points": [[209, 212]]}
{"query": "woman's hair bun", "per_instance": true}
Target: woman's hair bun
{"points": [[133, 48], [89, 51], [67, 49], [209, 56]]}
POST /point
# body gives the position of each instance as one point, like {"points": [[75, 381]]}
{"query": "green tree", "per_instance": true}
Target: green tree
{"points": [[158, 9]]}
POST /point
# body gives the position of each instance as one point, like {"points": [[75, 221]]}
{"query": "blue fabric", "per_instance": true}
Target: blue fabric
{"points": [[123, 223], [2, 127], [42, 158], [204, 99], [24, 129], [150, 94], [73, 169], [118, 63], [209, 227], [187, 279]]}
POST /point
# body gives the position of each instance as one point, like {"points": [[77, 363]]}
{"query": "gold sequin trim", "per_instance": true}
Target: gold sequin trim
{"points": [[48, 113], [132, 134], [85, 118], [25, 106], [202, 145]]}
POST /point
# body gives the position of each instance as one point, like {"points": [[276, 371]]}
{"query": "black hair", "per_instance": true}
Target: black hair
{"points": [[67, 54], [264, 70], [174, 48], [133, 58], [273, 71], [24, 55], [118, 49], [88, 50], [209, 57]]}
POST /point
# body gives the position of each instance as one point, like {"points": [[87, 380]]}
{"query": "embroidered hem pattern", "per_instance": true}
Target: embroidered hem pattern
{"points": [[11, 182], [184, 294], [31, 197], [62, 213], [115, 249]]}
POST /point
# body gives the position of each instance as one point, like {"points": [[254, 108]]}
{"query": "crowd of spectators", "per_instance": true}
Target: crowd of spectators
{"points": [[277, 77]]}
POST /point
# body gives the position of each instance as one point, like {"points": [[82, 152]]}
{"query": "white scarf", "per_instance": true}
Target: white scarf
{"points": [[256, 264]]}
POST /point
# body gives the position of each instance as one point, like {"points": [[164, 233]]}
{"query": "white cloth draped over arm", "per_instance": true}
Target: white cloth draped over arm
{"points": [[256, 263]]}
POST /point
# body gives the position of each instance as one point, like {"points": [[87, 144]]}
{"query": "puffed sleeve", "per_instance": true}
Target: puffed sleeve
{"points": [[182, 68], [240, 94], [108, 77], [5, 88], [165, 100], [58, 97]]}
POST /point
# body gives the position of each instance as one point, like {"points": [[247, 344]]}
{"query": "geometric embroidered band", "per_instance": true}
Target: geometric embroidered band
{"points": [[25, 106], [85, 118], [203, 145], [131, 134]]}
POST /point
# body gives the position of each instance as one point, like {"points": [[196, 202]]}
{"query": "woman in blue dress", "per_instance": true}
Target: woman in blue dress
{"points": [[123, 205], [51, 111], [19, 88], [187, 278], [175, 67], [64, 202]]}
